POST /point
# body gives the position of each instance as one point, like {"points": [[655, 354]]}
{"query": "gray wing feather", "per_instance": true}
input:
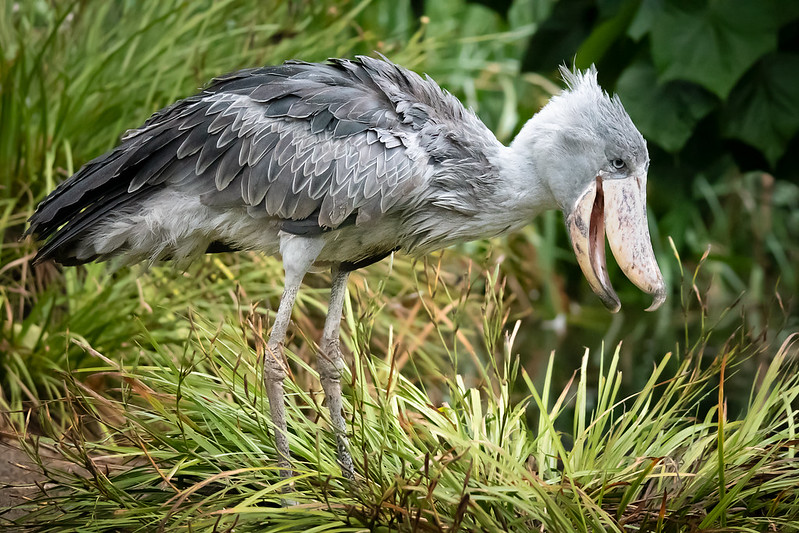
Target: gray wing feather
{"points": [[263, 142], [298, 146], [227, 168], [192, 143]]}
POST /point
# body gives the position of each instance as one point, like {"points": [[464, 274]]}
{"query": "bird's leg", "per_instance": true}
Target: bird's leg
{"points": [[298, 255], [275, 373], [331, 364]]}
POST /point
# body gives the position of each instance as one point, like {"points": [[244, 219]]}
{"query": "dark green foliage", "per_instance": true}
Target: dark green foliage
{"points": [[676, 61], [669, 111], [708, 43], [764, 111]]}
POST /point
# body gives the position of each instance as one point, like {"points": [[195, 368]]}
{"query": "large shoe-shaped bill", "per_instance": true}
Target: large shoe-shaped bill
{"points": [[616, 207]]}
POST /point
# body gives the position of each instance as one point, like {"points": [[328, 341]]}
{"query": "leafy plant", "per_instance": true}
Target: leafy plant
{"points": [[679, 61]]}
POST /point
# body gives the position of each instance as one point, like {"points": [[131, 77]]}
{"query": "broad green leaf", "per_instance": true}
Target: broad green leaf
{"points": [[712, 43], [606, 33], [644, 19], [664, 113], [763, 110]]}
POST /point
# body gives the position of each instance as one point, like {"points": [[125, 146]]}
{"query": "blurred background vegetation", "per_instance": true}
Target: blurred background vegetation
{"points": [[711, 85]]}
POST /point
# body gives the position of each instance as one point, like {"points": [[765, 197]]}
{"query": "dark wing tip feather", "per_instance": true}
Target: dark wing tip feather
{"points": [[104, 184]]}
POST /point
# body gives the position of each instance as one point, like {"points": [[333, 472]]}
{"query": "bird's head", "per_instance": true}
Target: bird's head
{"points": [[594, 162]]}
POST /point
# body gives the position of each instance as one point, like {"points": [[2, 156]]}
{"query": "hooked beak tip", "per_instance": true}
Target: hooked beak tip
{"points": [[614, 307], [659, 297]]}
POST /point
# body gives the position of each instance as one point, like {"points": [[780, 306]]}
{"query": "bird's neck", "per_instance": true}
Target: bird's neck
{"points": [[515, 196], [523, 189]]}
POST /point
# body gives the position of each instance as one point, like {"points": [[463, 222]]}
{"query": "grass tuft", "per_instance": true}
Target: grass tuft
{"points": [[180, 440]]}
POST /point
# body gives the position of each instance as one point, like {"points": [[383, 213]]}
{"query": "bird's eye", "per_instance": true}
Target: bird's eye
{"points": [[619, 164]]}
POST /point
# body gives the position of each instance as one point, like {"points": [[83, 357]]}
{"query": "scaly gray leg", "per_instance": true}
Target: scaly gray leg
{"points": [[299, 253], [330, 365]]}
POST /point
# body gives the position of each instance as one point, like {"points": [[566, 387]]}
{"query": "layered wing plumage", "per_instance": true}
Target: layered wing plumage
{"points": [[313, 145]]}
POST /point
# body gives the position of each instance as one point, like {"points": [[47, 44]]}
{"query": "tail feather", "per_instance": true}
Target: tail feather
{"points": [[74, 194], [105, 185], [98, 189], [61, 246]]}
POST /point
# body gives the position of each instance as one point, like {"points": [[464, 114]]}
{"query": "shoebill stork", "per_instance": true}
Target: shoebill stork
{"points": [[339, 165]]}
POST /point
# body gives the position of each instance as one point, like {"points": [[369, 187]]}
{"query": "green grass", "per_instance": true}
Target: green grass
{"points": [[180, 440], [148, 381]]}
